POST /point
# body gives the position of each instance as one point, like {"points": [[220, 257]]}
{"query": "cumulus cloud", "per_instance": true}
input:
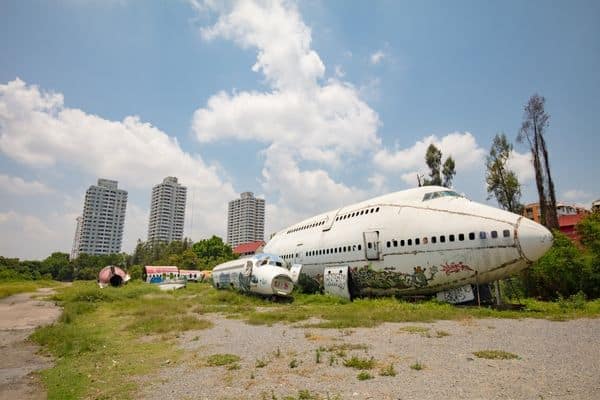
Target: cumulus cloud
{"points": [[19, 186], [27, 236], [300, 118], [410, 161], [37, 130], [377, 57], [522, 165]]}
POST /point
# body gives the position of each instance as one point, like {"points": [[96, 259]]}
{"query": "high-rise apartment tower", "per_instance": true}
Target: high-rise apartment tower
{"points": [[245, 220], [167, 211], [100, 230]]}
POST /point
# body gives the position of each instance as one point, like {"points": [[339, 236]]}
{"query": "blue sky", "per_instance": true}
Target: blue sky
{"points": [[311, 105]]}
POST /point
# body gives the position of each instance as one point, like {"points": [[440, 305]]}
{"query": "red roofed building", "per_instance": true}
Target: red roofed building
{"points": [[247, 249], [567, 224]]}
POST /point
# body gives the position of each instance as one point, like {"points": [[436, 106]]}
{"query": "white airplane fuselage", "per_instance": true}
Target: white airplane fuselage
{"points": [[417, 241]]}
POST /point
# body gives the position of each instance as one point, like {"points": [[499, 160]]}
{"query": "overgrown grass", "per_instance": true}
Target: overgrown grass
{"points": [[14, 287], [359, 363], [388, 371], [364, 375], [496, 355], [417, 366], [218, 360], [130, 331], [106, 337]]}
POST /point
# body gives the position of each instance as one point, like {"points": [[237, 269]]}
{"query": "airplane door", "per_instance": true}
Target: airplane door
{"points": [[371, 245]]}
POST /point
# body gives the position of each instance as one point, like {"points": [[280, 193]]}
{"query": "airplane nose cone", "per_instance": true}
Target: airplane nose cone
{"points": [[534, 238]]}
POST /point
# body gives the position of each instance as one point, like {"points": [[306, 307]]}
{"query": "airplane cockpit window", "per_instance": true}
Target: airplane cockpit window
{"points": [[441, 193]]}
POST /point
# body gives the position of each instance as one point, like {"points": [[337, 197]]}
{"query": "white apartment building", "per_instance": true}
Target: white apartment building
{"points": [[245, 220], [167, 211], [100, 228]]}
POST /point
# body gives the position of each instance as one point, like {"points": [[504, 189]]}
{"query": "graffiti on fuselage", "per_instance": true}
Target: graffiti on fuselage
{"points": [[452, 268], [244, 282], [367, 277]]}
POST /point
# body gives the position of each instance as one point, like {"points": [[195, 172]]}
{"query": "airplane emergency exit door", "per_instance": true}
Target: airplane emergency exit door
{"points": [[371, 245]]}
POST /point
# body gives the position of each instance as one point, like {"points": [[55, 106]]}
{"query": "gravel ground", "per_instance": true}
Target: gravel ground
{"points": [[557, 360], [19, 316]]}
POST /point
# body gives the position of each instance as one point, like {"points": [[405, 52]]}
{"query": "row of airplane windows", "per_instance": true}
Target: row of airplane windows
{"points": [[442, 238], [300, 228], [357, 213], [334, 250]]}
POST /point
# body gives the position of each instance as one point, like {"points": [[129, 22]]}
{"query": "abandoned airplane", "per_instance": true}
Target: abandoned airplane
{"points": [[262, 274], [425, 240]]}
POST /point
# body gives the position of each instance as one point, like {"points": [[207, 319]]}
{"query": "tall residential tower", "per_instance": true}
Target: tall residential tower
{"points": [[245, 220], [100, 229], [167, 211]]}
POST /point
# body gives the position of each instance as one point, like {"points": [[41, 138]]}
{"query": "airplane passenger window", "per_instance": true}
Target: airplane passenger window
{"points": [[359, 247], [389, 244], [471, 235], [482, 235], [451, 238], [425, 240], [443, 239], [395, 243], [417, 242], [506, 233], [433, 239], [370, 245], [372, 210], [409, 242], [402, 242], [494, 234], [354, 248], [377, 209], [461, 236]]}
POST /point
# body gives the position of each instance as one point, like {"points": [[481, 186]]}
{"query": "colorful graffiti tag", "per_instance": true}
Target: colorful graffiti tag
{"points": [[452, 268]]}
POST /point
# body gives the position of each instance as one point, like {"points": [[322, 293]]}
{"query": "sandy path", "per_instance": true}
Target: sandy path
{"points": [[19, 316], [558, 360]]}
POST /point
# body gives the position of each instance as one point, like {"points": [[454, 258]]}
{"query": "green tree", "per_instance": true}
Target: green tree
{"points": [[448, 172], [502, 183], [433, 159], [533, 127], [55, 264], [211, 252]]}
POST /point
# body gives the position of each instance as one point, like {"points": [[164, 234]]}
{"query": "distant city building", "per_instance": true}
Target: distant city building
{"points": [[245, 220], [248, 249], [167, 211], [76, 239], [101, 225]]}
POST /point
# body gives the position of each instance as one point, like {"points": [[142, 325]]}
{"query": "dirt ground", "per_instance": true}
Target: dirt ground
{"points": [[20, 315], [556, 360]]}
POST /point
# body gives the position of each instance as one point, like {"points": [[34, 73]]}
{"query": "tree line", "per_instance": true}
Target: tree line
{"points": [[204, 254]]}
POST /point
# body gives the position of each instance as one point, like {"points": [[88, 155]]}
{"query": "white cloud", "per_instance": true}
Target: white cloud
{"points": [[301, 118], [521, 164], [339, 72], [37, 130], [30, 237], [461, 146], [19, 186], [578, 196], [377, 57], [276, 29]]}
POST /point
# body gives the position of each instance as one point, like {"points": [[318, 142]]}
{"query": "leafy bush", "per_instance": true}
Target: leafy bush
{"points": [[562, 271]]}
